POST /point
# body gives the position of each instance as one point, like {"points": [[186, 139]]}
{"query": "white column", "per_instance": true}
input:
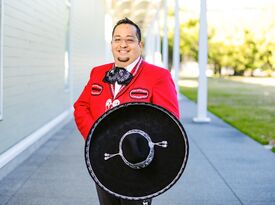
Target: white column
{"points": [[157, 53], [202, 89], [165, 38], [148, 47], [108, 37], [176, 46], [150, 44]]}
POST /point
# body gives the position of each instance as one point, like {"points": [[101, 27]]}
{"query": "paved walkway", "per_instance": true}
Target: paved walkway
{"points": [[225, 167]]}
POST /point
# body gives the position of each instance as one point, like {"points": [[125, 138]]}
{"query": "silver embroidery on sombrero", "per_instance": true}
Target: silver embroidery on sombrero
{"points": [[150, 156]]}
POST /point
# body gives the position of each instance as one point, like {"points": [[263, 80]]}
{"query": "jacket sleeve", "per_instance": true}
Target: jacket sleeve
{"points": [[83, 117], [165, 94]]}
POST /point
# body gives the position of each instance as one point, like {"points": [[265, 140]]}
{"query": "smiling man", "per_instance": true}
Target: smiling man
{"points": [[128, 79]]}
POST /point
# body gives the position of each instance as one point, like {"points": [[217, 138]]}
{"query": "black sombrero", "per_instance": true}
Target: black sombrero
{"points": [[136, 151]]}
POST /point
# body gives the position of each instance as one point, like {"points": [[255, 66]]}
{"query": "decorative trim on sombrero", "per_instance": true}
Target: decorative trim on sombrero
{"points": [[150, 156]]}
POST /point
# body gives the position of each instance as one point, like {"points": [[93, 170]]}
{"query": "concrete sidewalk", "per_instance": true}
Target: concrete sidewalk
{"points": [[224, 167]]}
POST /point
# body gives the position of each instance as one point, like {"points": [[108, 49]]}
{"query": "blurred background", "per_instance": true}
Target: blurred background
{"points": [[49, 47]]}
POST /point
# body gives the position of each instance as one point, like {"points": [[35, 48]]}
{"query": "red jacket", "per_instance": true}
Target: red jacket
{"points": [[149, 84]]}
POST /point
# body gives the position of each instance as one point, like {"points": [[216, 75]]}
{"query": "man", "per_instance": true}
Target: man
{"points": [[128, 79]]}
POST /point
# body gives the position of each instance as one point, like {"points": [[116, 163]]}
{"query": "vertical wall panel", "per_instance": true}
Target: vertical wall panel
{"points": [[33, 61], [1, 59], [88, 44]]}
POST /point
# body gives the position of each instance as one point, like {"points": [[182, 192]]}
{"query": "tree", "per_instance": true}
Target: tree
{"points": [[217, 56], [188, 40], [266, 56], [250, 55]]}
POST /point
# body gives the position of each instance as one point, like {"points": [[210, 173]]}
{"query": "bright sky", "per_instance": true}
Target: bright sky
{"points": [[231, 16], [228, 4]]}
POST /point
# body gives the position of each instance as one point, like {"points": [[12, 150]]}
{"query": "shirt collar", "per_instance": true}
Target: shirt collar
{"points": [[130, 67]]}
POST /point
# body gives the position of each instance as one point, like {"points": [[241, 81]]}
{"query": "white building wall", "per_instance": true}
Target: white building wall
{"points": [[88, 44], [33, 61]]}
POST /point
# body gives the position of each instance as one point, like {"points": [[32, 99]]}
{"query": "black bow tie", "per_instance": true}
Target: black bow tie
{"points": [[119, 75]]}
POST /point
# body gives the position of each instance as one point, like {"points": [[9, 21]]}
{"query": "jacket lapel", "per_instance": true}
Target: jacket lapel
{"points": [[111, 86]]}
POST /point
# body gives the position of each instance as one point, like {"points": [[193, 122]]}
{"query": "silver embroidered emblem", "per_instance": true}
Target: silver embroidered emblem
{"points": [[110, 104], [116, 103]]}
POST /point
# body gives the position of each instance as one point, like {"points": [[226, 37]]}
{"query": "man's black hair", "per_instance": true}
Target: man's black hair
{"points": [[128, 21]]}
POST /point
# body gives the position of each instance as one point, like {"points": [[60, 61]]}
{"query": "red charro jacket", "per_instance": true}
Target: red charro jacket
{"points": [[150, 84]]}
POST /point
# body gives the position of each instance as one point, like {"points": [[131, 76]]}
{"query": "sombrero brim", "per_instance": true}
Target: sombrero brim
{"points": [[113, 175]]}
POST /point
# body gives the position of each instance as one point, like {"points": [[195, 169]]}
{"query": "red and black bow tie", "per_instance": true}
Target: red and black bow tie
{"points": [[119, 75]]}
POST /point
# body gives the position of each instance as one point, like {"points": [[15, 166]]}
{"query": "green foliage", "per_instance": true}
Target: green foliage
{"points": [[217, 56], [248, 55], [266, 55], [188, 40]]}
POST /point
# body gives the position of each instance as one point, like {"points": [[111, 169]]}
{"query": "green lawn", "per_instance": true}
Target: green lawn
{"points": [[248, 107]]}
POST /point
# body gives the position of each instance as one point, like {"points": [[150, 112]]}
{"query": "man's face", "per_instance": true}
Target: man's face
{"points": [[125, 45]]}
